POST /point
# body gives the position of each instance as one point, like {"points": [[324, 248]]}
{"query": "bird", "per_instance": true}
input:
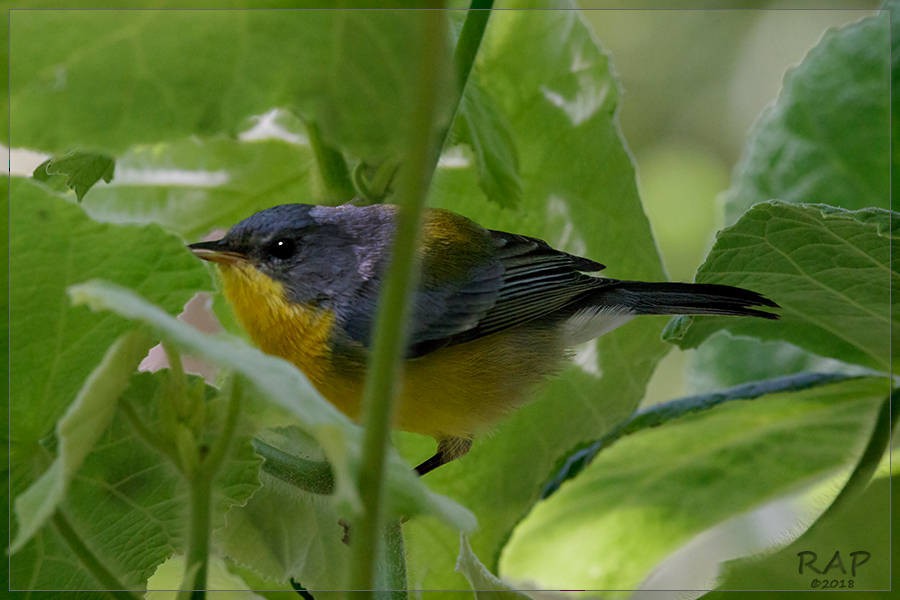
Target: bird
{"points": [[492, 316]]}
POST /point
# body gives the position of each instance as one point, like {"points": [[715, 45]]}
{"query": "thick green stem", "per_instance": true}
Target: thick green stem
{"points": [[309, 475], [394, 561], [393, 305], [104, 576], [332, 168]]}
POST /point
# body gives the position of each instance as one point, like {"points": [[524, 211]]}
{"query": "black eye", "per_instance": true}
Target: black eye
{"points": [[282, 248]]}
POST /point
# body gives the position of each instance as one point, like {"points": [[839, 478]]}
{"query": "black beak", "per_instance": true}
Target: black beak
{"points": [[216, 251]]}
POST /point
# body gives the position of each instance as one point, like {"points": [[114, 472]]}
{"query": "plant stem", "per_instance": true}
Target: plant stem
{"points": [[114, 587], [394, 560], [673, 409], [393, 305], [216, 456], [463, 60], [879, 442], [470, 40], [174, 359], [196, 562], [332, 168], [309, 475]]}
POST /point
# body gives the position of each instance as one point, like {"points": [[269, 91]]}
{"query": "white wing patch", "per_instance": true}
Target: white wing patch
{"points": [[587, 359], [594, 321]]}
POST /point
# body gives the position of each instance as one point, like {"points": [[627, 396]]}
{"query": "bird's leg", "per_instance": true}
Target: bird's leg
{"points": [[449, 448]]}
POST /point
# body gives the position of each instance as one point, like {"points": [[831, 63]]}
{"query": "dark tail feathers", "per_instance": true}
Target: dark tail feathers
{"points": [[687, 299]]}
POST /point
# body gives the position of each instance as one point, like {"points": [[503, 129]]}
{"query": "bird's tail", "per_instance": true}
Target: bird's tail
{"points": [[686, 299]]}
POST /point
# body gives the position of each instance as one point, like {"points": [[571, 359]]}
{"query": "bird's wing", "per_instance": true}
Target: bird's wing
{"points": [[475, 282], [521, 279]]}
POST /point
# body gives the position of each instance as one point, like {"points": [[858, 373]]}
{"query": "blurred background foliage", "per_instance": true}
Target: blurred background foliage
{"points": [[695, 76]]}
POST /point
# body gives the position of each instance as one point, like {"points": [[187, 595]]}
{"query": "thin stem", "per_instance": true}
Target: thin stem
{"points": [[332, 167], [196, 565], [664, 412], [114, 587], [174, 359], [216, 455], [879, 442], [393, 305]]}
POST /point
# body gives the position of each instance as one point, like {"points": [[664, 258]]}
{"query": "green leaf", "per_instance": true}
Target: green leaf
{"points": [[830, 269], [194, 186], [480, 125], [77, 432], [285, 533], [128, 503], [660, 414], [285, 387], [863, 527], [81, 170], [54, 346], [484, 583], [583, 200], [826, 138], [652, 492], [345, 70], [723, 360]]}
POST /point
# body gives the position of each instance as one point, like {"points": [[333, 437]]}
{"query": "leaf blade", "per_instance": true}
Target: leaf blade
{"points": [[830, 269], [679, 480]]}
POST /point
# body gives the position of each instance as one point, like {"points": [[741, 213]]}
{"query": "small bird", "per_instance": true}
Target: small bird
{"points": [[494, 313]]}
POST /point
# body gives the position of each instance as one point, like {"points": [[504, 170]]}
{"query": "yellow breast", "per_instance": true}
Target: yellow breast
{"points": [[292, 331]]}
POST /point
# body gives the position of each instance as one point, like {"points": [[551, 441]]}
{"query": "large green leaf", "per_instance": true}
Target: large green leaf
{"points": [[178, 73], [285, 533], [54, 346], [650, 493], [481, 125], [78, 430], [827, 137], [128, 503], [583, 200], [830, 269]]}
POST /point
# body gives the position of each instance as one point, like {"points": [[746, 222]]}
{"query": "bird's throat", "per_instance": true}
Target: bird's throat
{"points": [[296, 332]]}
